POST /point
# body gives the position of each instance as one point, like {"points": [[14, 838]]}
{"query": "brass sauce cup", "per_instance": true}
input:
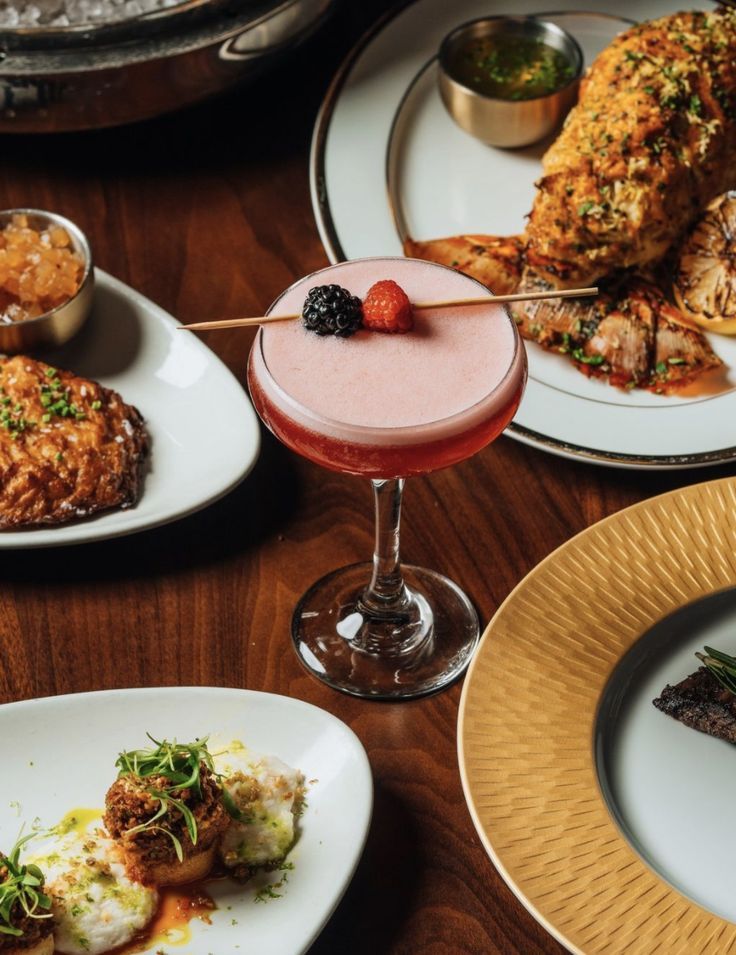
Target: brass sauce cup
{"points": [[505, 122], [57, 326]]}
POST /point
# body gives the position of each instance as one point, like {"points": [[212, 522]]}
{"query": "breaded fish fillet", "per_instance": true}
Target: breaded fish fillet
{"points": [[68, 446], [649, 144]]}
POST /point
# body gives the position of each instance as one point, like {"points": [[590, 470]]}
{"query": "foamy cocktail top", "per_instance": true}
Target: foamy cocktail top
{"points": [[455, 368]]}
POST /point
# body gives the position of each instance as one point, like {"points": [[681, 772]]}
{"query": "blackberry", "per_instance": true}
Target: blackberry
{"points": [[332, 310]]}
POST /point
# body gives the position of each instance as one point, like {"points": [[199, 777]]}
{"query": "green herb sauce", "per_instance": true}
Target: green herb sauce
{"points": [[510, 67]]}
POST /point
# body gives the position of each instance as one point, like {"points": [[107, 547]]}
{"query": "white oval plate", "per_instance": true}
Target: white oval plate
{"points": [[387, 160], [59, 753], [204, 433]]}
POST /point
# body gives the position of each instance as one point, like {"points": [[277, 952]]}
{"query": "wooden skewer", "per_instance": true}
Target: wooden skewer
{"points": [[418, 306]]}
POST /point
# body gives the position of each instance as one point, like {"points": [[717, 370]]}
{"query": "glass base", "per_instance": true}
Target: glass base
{"points": [[385, 654]]}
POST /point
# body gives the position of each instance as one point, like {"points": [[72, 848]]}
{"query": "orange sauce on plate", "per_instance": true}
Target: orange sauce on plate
{"points": [[178, 905]]}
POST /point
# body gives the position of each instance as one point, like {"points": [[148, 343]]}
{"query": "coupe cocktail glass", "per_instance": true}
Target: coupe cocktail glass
{"points": [[386, 407]]}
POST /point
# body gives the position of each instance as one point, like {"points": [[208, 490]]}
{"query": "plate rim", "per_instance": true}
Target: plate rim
{"points": [[358, 750], [716, 500], [92, 530], [335, 253]]}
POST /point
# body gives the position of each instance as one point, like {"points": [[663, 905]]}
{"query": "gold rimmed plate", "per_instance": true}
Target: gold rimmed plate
{"points": [[603, 815]]}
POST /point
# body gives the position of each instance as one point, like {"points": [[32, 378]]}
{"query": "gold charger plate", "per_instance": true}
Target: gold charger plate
{"points": [[528, 717]]}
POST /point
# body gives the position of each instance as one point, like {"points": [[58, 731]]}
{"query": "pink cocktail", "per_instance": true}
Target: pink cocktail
{"points": [[386, 407]]}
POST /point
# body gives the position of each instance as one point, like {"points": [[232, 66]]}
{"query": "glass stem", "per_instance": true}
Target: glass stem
{"points": [[386, 591]]}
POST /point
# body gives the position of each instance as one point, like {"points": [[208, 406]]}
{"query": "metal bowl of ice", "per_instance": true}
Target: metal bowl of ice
{"points": [[81, 64]]}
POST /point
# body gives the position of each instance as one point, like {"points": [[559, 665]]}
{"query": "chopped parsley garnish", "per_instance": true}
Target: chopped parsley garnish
{"points": [[513, 67], [695, 106], [579, 355]]}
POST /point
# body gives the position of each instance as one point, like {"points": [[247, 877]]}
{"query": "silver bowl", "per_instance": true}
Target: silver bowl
{"points": [[108, 73], [505, 122], [58, 325]]}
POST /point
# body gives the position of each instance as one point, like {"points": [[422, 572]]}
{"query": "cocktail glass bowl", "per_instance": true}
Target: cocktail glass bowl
{"points": [[386, 407]]}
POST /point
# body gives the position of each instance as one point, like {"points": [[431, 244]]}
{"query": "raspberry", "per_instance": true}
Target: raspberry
{"points": [[387, 308]]}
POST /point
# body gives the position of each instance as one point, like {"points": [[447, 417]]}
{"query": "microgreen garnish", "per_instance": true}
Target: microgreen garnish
{"points": [[20, 888], [721, 665], [180, 765]]}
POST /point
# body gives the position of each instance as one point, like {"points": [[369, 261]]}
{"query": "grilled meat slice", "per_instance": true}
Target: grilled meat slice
{"points": [[700, 702], [561, 325], [68, 446], [624, 339], [495, 261], [649, 144], [682, 351], [610, 334], [629, 332]]}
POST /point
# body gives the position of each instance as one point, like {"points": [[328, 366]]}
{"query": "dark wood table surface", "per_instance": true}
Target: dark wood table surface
{"points": [[207, 212]]}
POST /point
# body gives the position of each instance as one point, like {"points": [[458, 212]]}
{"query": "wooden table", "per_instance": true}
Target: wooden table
{"points": [[207, 212]]}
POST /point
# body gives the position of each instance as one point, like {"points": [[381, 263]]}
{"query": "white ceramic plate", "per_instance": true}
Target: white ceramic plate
{"points": [[204, 432], [59, 754], [387, 160]]}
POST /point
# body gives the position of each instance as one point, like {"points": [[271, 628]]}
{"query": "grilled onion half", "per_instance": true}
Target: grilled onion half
{"points": [[705, 275]]}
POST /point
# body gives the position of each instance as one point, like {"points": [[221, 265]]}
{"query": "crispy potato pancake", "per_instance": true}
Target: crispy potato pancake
{"points": [[68, 446]]}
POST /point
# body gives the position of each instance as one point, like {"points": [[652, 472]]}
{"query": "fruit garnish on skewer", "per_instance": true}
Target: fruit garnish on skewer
{"points": [[332, 309]]}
